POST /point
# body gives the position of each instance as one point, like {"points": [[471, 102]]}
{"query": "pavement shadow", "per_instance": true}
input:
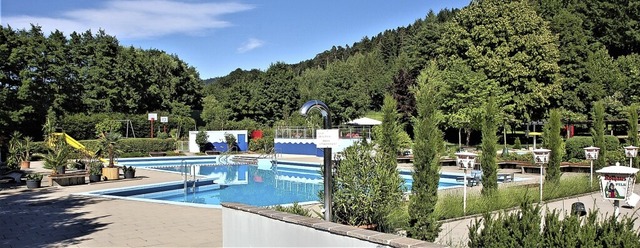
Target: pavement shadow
{"points": [[39, 218]]}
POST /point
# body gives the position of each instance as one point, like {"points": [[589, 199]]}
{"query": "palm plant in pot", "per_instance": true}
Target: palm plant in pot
{"points": [[34, 180], [57, 158], [19, 151], [109, 145]]}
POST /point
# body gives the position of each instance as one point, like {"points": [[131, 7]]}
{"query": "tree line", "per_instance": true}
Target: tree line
{"points": [[86, 73], [530, 55]]}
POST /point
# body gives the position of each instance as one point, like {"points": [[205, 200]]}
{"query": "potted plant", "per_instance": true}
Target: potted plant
{"points": [[34, 180], [129, 172], [109, 144], [19, 151], [57, 158], [95, 171]]}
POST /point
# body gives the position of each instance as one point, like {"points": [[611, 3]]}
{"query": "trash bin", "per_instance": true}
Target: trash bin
{"points": [[578, 209]]}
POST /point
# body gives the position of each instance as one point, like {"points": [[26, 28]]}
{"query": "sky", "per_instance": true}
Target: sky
{"points": [[217, 37]]}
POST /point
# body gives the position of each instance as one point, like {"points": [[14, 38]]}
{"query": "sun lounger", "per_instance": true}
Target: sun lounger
{"points": [[12, 175]]}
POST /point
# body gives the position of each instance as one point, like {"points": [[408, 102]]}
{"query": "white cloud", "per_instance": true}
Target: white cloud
{"points": [[136, 19], [250, 45]]}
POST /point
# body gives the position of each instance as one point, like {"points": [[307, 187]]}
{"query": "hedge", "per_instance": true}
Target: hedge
{"points": [[574, 146], [126, 146]]}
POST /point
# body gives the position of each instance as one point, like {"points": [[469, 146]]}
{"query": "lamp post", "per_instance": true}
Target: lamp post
{"points": [[465, 160], [326, 116], [631, 152], [591, 153], [541, 157]]}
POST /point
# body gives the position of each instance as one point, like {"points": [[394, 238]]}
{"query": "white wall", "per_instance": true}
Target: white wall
{"points": [[244, 229], [214, 136]]}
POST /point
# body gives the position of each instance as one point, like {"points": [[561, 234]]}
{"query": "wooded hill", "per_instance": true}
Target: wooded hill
{"points": [[531, 55]]}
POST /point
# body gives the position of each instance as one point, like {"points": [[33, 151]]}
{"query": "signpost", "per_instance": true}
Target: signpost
{"points": [[591, 153], [541, 157], [616, 183], [465, 160], [327, 138], [152, 117]]}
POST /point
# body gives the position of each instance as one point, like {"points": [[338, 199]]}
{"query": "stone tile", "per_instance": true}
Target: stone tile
{"points": [[325, 225], [405, 242], [383, 238], [342, 229]]}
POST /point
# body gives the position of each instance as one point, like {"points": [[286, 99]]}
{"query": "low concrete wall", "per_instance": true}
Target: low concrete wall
{"points": [[247, 226]]}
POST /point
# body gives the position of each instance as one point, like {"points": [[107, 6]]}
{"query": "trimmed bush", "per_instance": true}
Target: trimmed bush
{"points": [[574, 146], [146, 145], [517, 144]]}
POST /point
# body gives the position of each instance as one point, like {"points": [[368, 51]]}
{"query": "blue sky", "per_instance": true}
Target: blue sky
{"points": [[216, 37]]}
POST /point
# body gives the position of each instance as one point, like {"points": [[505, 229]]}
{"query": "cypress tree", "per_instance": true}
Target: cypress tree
{"points": [[489, 141], [554, 143], [389, 142], [632, 132], [423, 222], [597, 131]]}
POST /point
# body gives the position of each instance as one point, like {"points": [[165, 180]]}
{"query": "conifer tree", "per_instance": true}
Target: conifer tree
{"points": [[489, 141], [553, 143], [632, 133], [597, 131], [423, 222], [389, 143]]}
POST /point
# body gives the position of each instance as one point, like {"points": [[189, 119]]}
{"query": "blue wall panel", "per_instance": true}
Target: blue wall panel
{"points": [[298, 148]]}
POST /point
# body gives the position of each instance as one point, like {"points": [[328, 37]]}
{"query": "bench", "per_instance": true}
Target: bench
{"points": [[405, 159], [471, 181], [157, 154], [212, 152], [505, 177], [72, 178]]}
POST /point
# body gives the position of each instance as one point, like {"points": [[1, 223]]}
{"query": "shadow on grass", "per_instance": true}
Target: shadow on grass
{"points": [[36, 218]]}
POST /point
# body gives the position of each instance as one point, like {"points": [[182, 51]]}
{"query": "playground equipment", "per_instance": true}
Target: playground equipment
{"points": [[78, 146]]}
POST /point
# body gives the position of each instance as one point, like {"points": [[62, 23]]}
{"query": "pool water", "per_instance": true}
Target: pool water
{"points": [[286, 183]]}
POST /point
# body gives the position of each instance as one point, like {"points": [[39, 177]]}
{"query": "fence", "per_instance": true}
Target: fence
{"points": [[346, 132]]}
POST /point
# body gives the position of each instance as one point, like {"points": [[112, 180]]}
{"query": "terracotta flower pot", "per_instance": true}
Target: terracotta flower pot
{"points": [[25, 164]]}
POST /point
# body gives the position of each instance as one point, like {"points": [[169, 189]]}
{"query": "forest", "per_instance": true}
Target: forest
{"points": [[532, 56]]}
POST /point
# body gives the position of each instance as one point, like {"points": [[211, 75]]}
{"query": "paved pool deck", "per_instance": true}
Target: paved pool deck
{"points": [[56, 217]]}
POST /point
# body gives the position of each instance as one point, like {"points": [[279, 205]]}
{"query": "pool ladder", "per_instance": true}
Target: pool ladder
{"points": [[186, 173]]}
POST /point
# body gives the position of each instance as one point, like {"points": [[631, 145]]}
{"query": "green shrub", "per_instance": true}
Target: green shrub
{"points": [[522, 229], [574, 147], [513, 156], [146, 145], [365, 190], [611, 143], [295, 209], [163, 135], [517, 144], [201, 139]]}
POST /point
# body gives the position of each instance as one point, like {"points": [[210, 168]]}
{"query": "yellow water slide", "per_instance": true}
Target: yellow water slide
{"points": [[79, 146]]}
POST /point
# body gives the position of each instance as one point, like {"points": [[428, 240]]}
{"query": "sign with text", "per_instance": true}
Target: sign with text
{"points": [[164, 119], [615, 186], [153, 116], [327, 138]]}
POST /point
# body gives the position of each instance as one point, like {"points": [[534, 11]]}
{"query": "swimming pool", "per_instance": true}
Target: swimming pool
{"points": [[256, 185]]}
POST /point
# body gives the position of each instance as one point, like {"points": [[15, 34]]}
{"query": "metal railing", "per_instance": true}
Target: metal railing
{"points": [[346, 132]]}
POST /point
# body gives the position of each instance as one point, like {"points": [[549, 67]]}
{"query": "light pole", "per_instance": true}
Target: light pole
{"points": [[541, 157], [591, 153], [326, 116], [465, 160], [631, 152]]}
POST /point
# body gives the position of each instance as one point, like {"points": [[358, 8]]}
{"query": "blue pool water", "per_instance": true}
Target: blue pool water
{"points": [[262, 185]]}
